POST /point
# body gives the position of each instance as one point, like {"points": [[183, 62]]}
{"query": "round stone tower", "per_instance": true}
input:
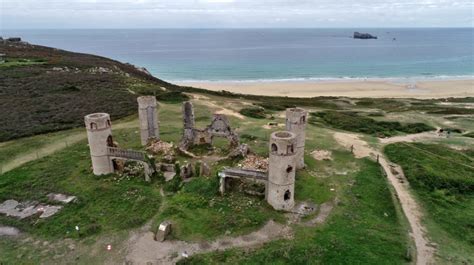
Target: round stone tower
{"points": [[99, 134], [281, 170], [148, 117], [296, 119]]}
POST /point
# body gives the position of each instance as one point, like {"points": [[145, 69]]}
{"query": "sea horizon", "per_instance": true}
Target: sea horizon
{"points": [[275, 54]]}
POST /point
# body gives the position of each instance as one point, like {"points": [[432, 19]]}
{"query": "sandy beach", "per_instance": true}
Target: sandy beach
{"points": [[370, 88]]}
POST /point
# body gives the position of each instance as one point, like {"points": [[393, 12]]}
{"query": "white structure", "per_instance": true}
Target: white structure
{"points": [[99, 134], [296, 119], [148, 118], [281, 170]]}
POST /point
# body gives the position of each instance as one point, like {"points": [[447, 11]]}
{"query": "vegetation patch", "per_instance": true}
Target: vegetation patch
{"points": [[15, 62], [364, 228], [53, 89], [105, 203], [354, 122], [450, 110], [198, 212], [469, 134], [443, 179], [253, 112], [389, 105]]}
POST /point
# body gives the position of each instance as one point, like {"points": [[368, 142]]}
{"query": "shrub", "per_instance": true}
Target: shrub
{"points": [[173, 185], [256, 113], [469, 134], [352, 121], [172, 97]]}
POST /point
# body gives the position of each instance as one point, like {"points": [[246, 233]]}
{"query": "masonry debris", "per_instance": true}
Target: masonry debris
{"points": [[322, 155], [26, 209], [9, 231], [61, 197], [163, 231], [255, 162]]}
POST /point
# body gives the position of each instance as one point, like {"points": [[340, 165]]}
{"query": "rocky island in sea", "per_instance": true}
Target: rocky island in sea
{"points": [[364, 36]]}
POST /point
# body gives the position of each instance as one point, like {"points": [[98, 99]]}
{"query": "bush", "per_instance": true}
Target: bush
{"points": [[173, 185], [172, 97], [256, 113], [275, 106], [352, 121], [469, 134]]}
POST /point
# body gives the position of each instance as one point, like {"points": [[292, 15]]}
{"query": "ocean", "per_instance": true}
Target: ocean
{"points": [[274, 54]]}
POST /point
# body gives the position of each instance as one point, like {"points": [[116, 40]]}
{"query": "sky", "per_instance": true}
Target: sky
{"points": [[15, 14]]}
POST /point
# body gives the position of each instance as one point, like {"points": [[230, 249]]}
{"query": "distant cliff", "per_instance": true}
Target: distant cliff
{"points": [[364, 36]]}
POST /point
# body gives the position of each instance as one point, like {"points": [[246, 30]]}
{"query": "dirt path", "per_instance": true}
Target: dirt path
{"points": [[410, 137], [219, 109], [145, 250], [424, 251], [55, 146]]}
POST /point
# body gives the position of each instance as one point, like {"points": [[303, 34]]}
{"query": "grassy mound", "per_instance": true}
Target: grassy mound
{"points": [[354, 122]]}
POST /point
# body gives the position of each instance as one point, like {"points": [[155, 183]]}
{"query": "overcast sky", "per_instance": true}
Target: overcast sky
{"points": [[234, 13]]}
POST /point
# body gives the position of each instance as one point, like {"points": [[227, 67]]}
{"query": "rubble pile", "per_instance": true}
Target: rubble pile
{"points": [[159, 147], [254, 162]]}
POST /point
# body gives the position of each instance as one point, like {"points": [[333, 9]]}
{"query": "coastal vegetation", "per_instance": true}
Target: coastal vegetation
{"points": [[366, 221], [355, 122], [104, 204], [443, 180], [256, 113]]}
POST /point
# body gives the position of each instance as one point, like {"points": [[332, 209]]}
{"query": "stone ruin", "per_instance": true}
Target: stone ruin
{"points": [[286, 149], [296, 119], [105, 153], [219, 127], [108, 158], [286, 155], [148, 117]]}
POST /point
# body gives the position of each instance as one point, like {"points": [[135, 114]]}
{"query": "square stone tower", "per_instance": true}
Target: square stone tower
{"points": [[148, 116]]}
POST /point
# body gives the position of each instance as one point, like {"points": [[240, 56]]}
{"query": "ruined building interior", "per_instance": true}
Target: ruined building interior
{"points": [[286, 150]]}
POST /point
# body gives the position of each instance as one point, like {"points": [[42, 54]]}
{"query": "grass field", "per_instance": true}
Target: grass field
{"points": [[364, 229], [443, 180], [104, 204]]}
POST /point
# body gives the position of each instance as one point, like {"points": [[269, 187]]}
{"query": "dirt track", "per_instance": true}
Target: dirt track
{"points": [[55, 146], [424, 251]]}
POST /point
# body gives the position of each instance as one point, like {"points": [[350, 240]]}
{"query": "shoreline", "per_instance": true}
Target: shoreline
{"points": [[374, 88]]}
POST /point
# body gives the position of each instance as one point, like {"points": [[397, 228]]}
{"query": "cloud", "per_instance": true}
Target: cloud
{"points": [[233, 13]]}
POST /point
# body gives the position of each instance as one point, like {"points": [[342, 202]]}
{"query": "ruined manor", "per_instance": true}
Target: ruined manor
{"points": [[286, 150]]}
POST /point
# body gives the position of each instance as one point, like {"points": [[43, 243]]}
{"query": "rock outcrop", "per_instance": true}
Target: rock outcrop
{"points": [[364, 36]]}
